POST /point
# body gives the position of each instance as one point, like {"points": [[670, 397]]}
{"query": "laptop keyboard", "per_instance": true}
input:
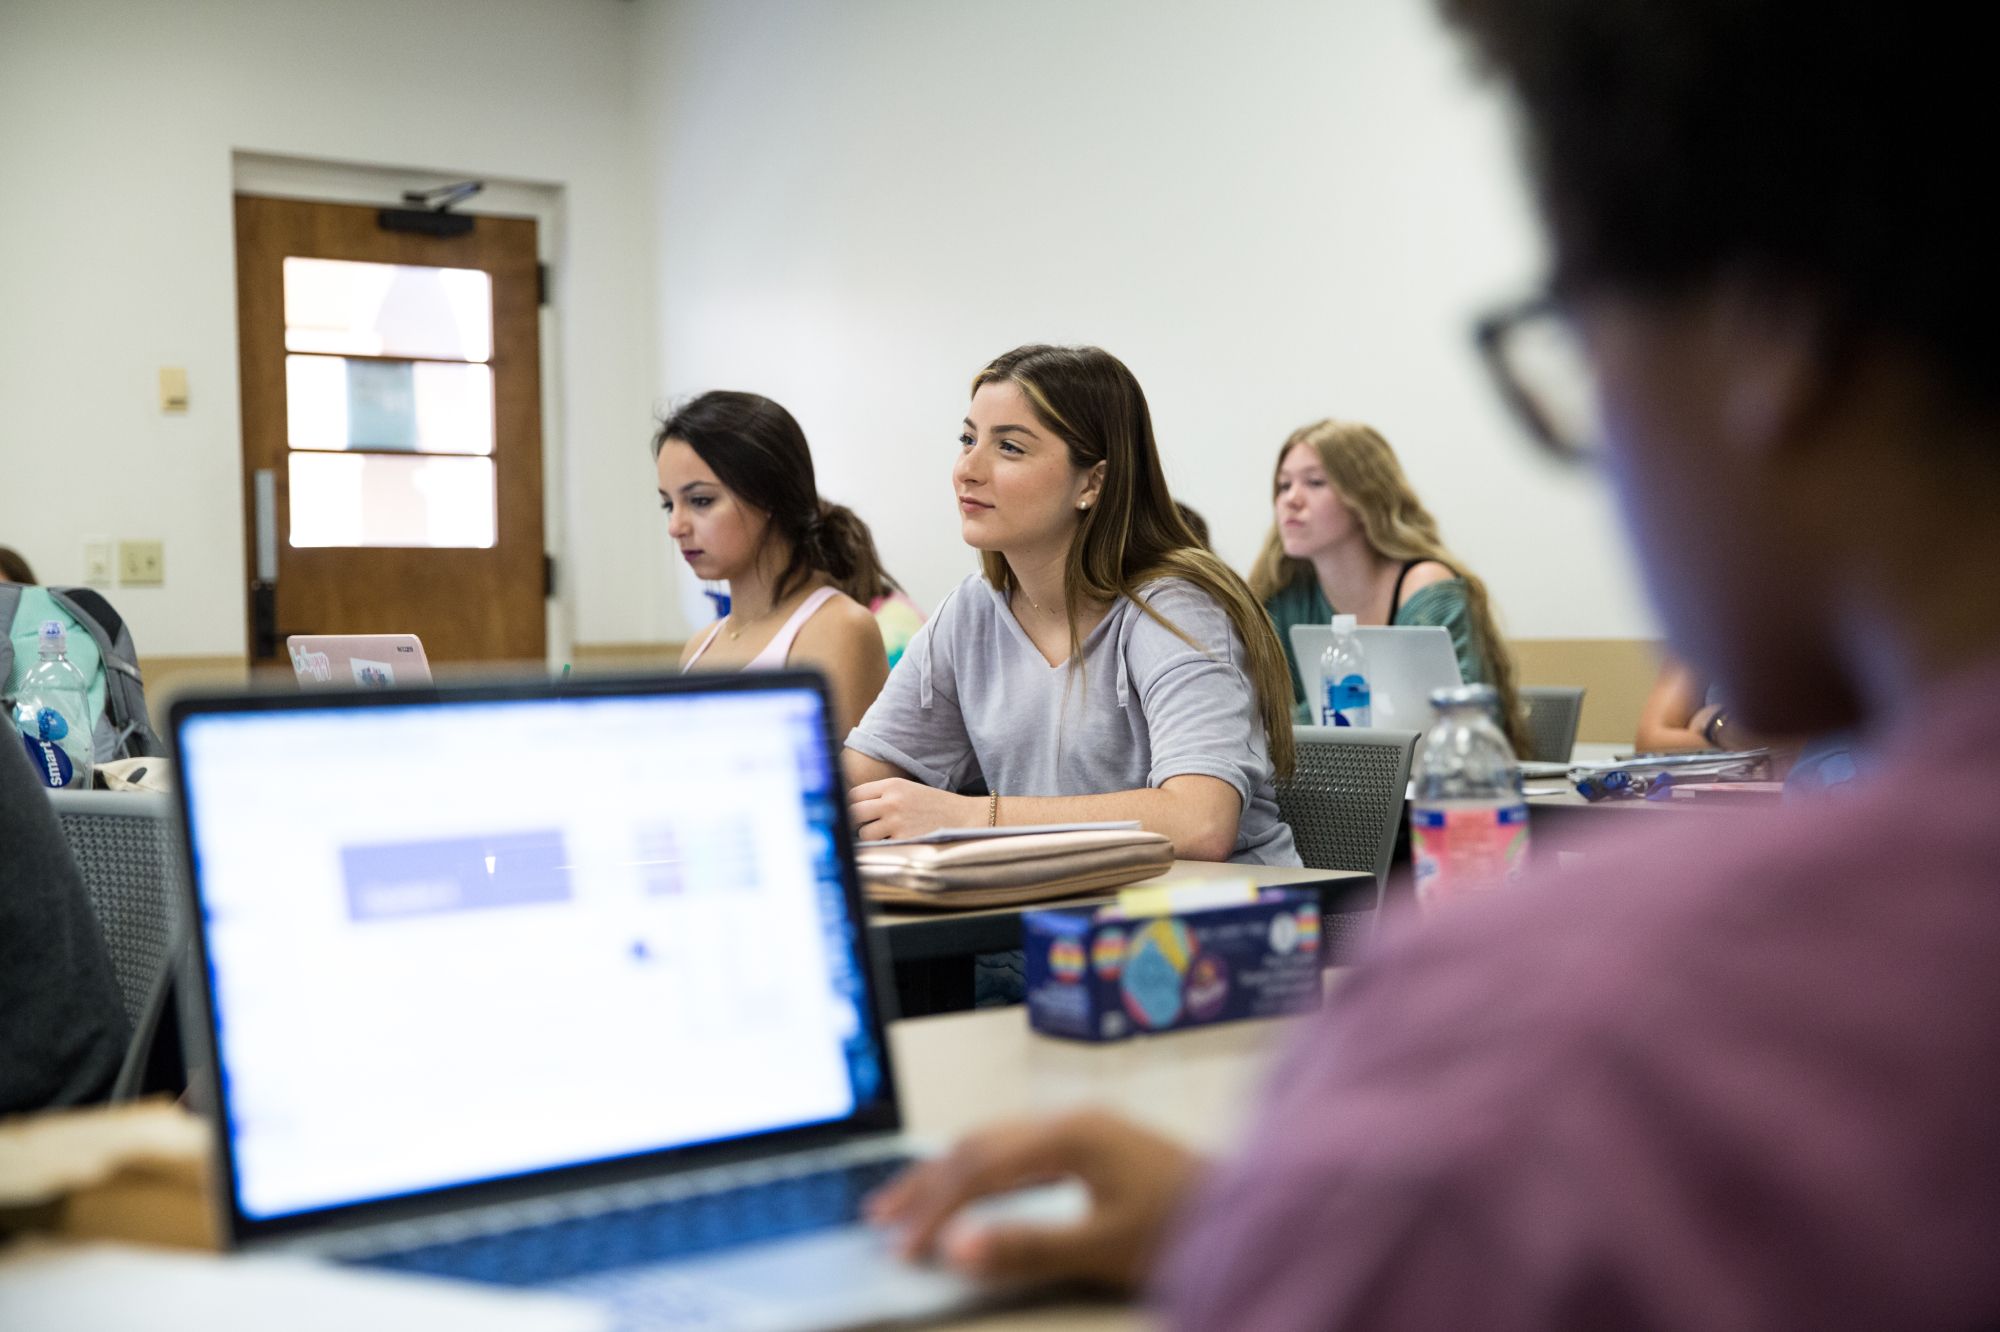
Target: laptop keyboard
{"points": [[656, 1232]]}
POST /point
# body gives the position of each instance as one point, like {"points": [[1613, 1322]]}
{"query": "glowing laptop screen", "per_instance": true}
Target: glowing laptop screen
{"points": [[459, 940]]}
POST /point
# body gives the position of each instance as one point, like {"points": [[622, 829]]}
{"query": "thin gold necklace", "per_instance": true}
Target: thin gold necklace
{"points": [[1025, 597], [735, 630]]}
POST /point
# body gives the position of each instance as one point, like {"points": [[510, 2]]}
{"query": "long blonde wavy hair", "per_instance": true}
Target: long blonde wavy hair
{"points": [[1370, 481], [1134, 534]]}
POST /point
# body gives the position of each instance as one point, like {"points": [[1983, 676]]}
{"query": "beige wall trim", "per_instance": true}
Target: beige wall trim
{"points": [[167, 676], [625, 656], [164, 672], [1616, 674]]}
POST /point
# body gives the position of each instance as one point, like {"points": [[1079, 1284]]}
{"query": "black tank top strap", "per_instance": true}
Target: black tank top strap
{"points": [[1396, 597]]}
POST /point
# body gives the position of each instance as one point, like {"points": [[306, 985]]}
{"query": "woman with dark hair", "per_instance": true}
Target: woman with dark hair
{"points": [[1102, 664], [736, 480]]}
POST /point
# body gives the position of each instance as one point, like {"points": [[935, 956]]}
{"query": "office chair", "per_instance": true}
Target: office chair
{"points": [[1344, 801], [1551, 714], [123, 845]]}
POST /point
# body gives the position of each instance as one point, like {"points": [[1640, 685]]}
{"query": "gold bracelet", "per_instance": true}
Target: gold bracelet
{"points": [[993, 810]]}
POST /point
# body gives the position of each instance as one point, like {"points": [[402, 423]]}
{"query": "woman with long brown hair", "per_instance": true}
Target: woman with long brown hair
{"points": [[1349, 535], [1102, 664]]}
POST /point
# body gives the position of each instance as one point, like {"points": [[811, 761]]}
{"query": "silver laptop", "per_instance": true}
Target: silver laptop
{"points": [[563, 986], [1404, 665], [358, 661]]}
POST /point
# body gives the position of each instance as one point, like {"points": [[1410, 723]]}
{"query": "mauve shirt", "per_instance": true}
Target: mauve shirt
{"points": [[1747, 1079]]}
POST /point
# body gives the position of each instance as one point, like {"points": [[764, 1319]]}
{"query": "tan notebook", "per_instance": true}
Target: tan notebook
{"points": [[1009, 870]]}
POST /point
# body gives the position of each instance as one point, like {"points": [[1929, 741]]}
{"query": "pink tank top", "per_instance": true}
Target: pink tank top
{"points": [[780, 647]]}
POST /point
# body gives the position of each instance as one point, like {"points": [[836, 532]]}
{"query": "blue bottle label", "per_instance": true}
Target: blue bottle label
{"points": [[52, 765], [1346, 700]]}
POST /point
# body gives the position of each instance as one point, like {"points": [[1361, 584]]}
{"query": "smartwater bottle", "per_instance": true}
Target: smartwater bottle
{"points": [[1343, 678], [1468, 820], [52, 713]]}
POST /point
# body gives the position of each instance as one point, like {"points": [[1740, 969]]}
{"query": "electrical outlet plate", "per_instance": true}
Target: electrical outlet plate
{"points": [[142, 563]]}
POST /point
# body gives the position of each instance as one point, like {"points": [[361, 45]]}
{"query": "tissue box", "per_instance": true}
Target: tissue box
{"points": [[1164, 960]]}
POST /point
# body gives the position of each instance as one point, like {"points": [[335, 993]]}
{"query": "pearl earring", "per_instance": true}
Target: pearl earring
{"points": [[1084, 505]]}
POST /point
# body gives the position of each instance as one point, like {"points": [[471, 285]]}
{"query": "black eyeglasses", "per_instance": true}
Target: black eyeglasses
{"points": [[1538, 365]]}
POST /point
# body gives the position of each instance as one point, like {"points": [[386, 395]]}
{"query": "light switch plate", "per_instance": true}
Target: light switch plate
{"points": [[173, 389], [97, 561], [142, 563]]}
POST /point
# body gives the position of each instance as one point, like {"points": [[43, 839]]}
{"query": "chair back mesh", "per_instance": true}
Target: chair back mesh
{"points": [[122, 843], [1344, 801], [1551, 713]]}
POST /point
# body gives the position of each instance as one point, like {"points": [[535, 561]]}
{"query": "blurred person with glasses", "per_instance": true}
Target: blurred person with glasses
{"points": [[1742, 1082]]}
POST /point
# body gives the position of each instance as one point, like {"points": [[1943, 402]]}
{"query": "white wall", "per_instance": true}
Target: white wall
{"points": [[118, 121], [1273, 210]]}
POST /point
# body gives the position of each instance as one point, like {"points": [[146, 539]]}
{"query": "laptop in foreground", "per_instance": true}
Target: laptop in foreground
{"points": [[563, 986]]}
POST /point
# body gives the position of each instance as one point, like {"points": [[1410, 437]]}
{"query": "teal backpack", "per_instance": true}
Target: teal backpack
{"points": [[100, 647]]}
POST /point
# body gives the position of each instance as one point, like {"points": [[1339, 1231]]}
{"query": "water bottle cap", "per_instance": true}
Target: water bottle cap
{"points": [[53, 639], [1343, 623], [1458, 696]]}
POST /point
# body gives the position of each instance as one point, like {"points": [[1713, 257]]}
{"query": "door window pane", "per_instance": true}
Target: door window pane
{"points": [[352, 499], [355, 309], [421, 406]]}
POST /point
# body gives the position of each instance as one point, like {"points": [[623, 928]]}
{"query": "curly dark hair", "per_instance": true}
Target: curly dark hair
{"points": [[1828, 143]]}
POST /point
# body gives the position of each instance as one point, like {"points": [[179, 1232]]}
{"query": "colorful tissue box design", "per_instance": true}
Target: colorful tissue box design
{"points": [[1169, 961]]}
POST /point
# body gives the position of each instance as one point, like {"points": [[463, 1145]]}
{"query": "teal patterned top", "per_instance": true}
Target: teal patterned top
{"points": [[1441, 605]]}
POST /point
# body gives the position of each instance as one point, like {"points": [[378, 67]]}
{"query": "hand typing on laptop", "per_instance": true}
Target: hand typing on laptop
{"points": [[1136, 1180]]}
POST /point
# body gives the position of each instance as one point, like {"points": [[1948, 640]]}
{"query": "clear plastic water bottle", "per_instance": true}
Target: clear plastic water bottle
{"points": [[1343, 678], [52, 713], [1468, 820]]}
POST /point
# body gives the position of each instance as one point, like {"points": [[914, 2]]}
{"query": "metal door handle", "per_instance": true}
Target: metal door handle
{"points": [[264, 495], [264, 586]]}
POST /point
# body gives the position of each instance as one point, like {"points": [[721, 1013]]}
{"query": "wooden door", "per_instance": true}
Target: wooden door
{"points": [[392, 456]]}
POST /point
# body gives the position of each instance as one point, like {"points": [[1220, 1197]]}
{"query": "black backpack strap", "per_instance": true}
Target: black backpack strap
{"points": [[92, 602], [10, 604]]}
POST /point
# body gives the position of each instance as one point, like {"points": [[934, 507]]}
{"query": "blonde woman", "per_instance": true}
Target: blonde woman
{"points": [[1101, 665], [1349, 535]]}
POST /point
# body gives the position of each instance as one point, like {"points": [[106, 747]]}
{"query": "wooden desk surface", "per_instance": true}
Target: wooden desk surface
{"points": [[1727, 806], [956, 1072], [1562, 827], [924, 934], [962, 1070]]}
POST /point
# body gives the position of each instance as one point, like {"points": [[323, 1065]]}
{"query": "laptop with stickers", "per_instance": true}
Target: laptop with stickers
{"points": [[358, 661]]}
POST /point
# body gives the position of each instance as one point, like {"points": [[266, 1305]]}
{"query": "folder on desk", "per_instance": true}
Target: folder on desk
{"points": [[1010, 870]]}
